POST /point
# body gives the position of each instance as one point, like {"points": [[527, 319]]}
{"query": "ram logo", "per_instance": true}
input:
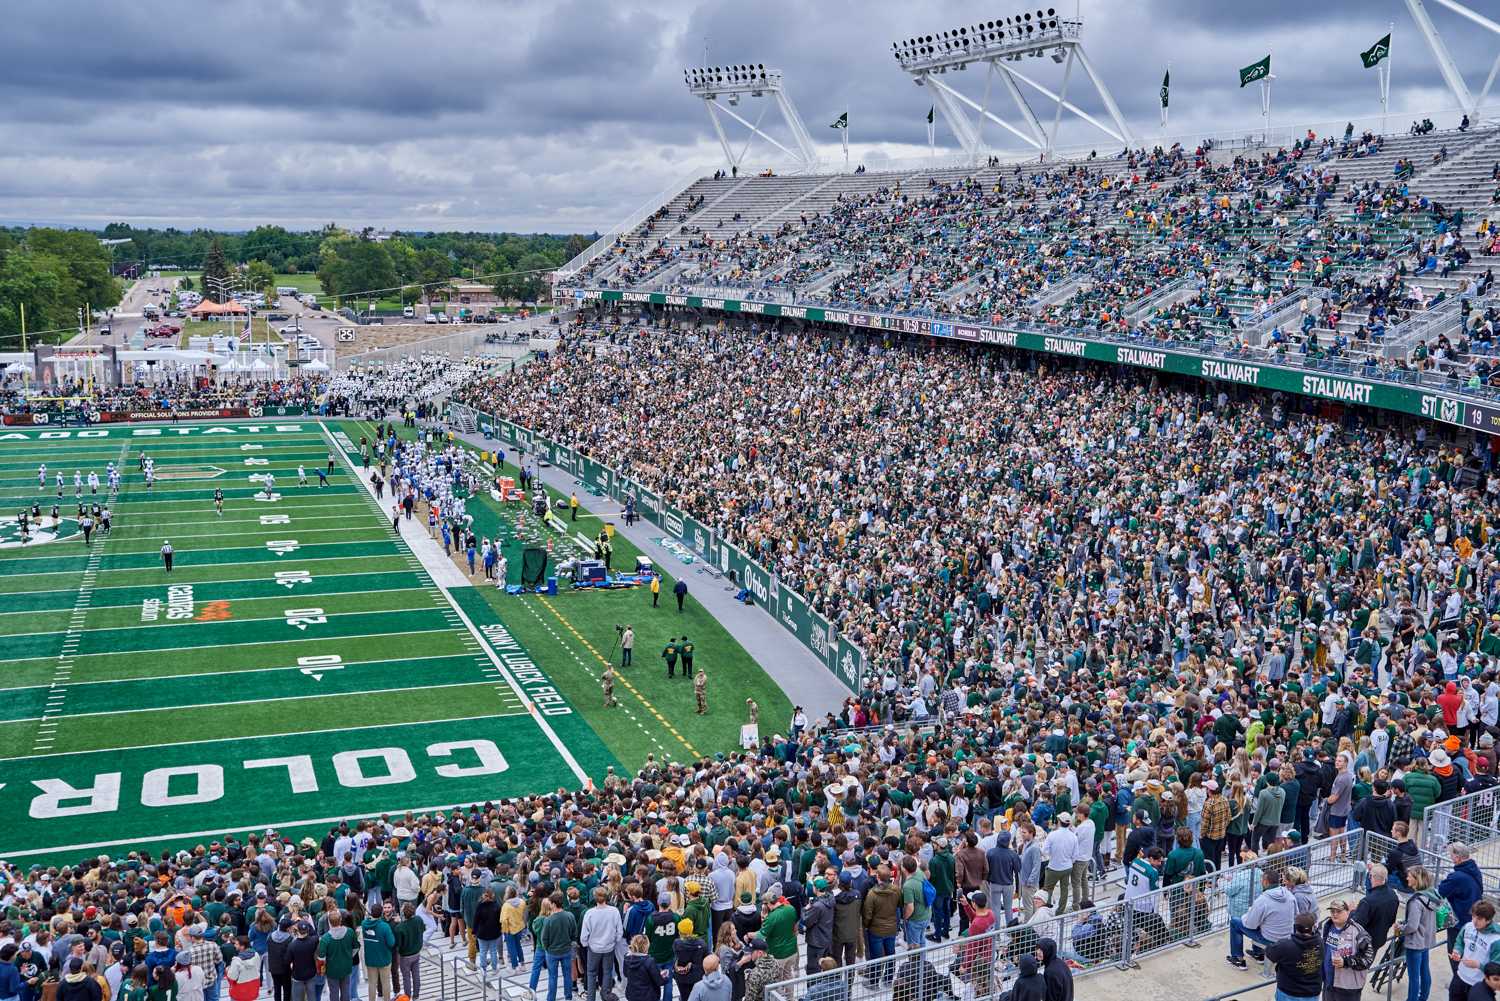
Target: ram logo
{"points": [[257, 411], [1450, 411], [820, 641]]}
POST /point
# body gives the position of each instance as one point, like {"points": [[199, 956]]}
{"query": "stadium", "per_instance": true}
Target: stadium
{"points": [[1063, 565]]}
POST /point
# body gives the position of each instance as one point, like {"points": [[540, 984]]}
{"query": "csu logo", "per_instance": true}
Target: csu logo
{"points": [[820, 641], [849, 669], [1444, 409], [10, 532], [257, 411], [40, 418]]}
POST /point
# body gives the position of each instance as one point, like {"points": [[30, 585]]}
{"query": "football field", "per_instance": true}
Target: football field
{"points": [[298, 665]]}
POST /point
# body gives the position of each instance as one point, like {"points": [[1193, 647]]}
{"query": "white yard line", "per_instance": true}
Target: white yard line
{"points": [[443, 571]]}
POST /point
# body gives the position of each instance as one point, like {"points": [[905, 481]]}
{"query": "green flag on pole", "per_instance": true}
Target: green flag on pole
{"points": [[1166, 83], [842, 123], [1372, 56], [929, 114], [1255, 71]]}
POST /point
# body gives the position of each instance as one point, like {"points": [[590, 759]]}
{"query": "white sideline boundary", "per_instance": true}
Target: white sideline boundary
{"points": [[443, 575]]}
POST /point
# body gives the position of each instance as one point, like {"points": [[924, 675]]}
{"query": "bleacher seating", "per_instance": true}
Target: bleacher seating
{"points": [[1338, 247]]}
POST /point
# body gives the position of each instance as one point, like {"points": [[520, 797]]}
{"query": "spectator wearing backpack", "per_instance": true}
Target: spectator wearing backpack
{"points": [[1419, 931], [917, 897], [1462, 888]]}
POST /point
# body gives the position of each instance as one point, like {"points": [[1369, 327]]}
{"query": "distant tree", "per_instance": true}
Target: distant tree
{"points": [[215, 270], [260, 277], [526, 280], [185, 283], [576, 245]]}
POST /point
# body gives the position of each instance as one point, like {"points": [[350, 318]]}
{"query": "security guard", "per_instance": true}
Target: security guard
{"points": [[670, 656]]}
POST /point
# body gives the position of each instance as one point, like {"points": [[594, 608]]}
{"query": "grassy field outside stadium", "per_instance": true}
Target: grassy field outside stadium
{"points": [[298, 665]]}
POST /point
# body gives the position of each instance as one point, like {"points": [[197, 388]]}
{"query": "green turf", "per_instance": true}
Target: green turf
{"points": [[138, 702], [656, 716]]}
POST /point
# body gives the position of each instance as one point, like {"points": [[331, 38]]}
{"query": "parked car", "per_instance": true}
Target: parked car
{"points": [[408, 312], [430, 318], [443, 318], [278, 318]]}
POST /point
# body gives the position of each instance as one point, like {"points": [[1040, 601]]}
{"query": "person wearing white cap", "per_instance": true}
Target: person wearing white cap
{"points": [[1062, 846]]}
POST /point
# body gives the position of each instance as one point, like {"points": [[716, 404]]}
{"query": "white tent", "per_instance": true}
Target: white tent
{"points": [[230, 366], [316, 365], [18, 367], [259, 367]]}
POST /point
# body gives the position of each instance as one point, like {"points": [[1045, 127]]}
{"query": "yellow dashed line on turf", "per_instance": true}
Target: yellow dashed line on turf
{"points": [[619, 676]]}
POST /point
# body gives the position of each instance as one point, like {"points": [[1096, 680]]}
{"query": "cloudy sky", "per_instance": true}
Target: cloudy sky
{"points": [[564, 116]]}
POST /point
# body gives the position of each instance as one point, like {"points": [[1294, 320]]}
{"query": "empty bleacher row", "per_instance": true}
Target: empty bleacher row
{"points": [[1365, 250]]}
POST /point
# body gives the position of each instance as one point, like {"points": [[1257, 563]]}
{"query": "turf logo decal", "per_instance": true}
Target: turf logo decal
{"points": [[10, 532]]}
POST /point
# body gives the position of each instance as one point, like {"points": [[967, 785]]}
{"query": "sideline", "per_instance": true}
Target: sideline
{"points": [[805, 680], [442, 580]]}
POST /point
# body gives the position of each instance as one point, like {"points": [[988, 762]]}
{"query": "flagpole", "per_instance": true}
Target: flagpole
{"points": [[1265, 95], [846, 137], [25, 380], [1385, 80]]}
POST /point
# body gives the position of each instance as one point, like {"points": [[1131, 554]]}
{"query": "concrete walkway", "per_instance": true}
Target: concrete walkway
{"points": [[804, 679]]}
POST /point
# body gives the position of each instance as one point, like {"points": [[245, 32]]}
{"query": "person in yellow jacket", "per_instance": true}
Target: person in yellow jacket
{"points": [[655, 590], [512, 925], [573, 505]]}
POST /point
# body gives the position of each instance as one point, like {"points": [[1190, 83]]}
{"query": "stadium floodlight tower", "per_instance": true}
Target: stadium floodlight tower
{"points": [[735, 83], [1001, 45], [1451, 75]]}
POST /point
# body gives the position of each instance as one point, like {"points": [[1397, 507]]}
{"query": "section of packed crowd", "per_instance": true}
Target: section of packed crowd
{"points": [[18, 396], [1154, 626], [1085, 245]]}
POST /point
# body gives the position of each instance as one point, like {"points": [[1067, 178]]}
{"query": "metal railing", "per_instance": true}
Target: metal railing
{"points": [[1381, 978], [471, 340], [1116, 934]]}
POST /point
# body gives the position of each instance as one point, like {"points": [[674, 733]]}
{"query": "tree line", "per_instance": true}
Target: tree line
{"points": [[56, 272], [53, 273]]}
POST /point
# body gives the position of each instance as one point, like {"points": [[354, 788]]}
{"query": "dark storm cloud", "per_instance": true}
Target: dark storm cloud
{"points": [[527, 115]]}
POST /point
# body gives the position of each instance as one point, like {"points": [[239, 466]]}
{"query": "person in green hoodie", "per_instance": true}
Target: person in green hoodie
{"points": [[942, 874], [339, 951], [378, 942], [559, 932], [408, 972]]}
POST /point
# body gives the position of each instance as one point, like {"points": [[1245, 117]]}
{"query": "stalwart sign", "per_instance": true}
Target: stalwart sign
{"points": [[1348, 389]]}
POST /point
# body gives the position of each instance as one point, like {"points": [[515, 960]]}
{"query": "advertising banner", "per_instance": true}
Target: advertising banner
{"points": [[1340, 388]]}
